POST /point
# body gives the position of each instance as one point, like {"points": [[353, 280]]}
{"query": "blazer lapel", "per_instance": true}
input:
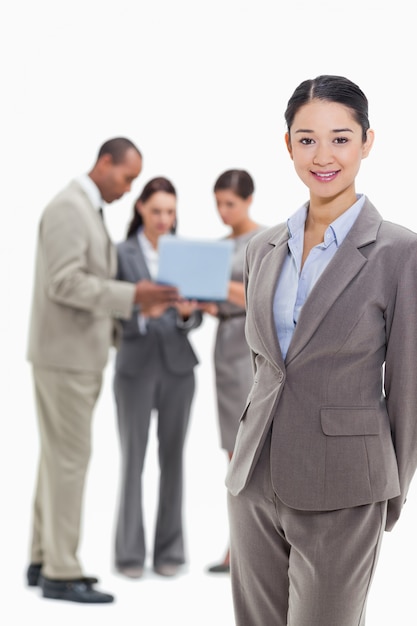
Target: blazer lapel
{"points": [[341, 270], [264, 294], [135, 254], [111, 251], [96, 220]]}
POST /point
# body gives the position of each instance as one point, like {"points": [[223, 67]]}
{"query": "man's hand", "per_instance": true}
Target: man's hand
{"points": [[148, 294]]}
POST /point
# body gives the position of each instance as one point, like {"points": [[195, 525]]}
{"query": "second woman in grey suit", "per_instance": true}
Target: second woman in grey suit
{"points": [[154, 371], [233, 191]]}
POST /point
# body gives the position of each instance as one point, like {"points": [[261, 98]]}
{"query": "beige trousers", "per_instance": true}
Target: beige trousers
{"points": [[65, 402], [300, 568]]}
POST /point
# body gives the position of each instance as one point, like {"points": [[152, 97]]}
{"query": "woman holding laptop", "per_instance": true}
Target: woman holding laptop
{"points": [[154, 372]]}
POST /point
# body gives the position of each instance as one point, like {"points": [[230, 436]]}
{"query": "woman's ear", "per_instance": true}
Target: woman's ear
{"points": [[288, 143], [366, 148]]}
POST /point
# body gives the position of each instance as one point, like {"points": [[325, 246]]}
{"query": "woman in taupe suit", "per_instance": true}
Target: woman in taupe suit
{"points": [[154, 371], [327, 444], [233, 191]]}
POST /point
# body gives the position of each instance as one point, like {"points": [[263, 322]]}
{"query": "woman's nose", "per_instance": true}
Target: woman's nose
{"points": [[323, 155]]}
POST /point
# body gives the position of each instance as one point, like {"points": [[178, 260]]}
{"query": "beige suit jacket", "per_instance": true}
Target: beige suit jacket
{"points": [[343, 405], [75, 295]]}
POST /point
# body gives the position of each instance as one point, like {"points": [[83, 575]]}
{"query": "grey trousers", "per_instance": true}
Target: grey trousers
{"points": [[65, 403], [136, 397], [300, 568]]}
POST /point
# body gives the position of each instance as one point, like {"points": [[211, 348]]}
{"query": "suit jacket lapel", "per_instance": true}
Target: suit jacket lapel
{"points": [[263, 316], [137, 259], [111, 251], [344, 266], [98, 220]]}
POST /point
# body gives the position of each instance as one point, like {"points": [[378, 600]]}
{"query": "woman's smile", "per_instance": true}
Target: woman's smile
{"points": [[325, 177]]}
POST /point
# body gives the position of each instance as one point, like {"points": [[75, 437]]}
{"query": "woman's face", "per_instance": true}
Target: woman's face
{"points": [[232, 209], [327, 147], [158, 214]]}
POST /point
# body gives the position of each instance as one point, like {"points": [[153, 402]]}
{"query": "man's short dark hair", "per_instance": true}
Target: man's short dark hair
{"points": [[117, 149]]}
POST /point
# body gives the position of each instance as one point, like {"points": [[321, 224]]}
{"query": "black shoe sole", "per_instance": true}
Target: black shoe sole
{"points": [[94, 597]]}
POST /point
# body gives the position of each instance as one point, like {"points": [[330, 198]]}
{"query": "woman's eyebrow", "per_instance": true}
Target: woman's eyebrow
{"points": [[335, 130]]}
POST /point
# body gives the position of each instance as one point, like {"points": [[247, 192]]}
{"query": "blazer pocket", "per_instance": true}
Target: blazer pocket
{"points": [[348, 421]]}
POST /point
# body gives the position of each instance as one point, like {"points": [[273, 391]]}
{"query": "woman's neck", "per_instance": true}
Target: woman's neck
{"points": [[152, 239], [324, 211], [244, 227]]}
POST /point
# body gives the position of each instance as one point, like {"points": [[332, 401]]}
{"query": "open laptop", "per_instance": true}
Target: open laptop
{"points": [[200, 268]]}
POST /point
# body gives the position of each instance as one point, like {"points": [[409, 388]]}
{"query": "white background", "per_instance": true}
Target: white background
{"points": [[200, 87]]}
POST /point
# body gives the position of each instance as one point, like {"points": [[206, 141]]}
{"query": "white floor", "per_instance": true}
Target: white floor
{"points": [[195, 598]]}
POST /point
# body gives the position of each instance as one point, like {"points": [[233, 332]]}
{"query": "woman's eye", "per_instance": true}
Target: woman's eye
{"points": [[341, 140], [306, 141]]}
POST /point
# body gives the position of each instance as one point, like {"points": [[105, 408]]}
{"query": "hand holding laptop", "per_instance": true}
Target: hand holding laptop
{"points": [[148, 294]]}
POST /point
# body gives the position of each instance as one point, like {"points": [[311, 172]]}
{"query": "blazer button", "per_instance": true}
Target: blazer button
{"points": [[280, 376]]}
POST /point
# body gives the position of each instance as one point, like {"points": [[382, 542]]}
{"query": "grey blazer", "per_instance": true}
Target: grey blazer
{"points": [[138, 351], [343, 405], [75, 296]]}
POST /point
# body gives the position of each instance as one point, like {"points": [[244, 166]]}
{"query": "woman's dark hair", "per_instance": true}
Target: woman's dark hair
{"points": [[333, 89], [238, 181], [153, 186]]}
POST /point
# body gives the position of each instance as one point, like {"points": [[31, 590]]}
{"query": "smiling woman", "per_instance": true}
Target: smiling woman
{"points": [[322, 464], [327, 143]]}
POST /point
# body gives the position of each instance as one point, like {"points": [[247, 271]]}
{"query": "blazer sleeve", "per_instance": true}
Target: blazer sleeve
{"points": [[401, 375], [76, 262]]}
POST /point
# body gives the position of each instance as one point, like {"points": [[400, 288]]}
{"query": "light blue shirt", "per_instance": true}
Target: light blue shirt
{"points": [[294, 283]]}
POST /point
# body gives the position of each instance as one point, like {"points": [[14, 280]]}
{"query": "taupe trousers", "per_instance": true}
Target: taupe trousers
{"points": [[300, 568], [65, 402]]}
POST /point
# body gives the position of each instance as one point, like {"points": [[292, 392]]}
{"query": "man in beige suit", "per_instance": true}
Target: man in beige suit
{"points": [[327, 445], [75, 302]]}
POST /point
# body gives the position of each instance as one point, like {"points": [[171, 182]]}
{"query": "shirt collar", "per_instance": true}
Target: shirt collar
{"points": [[342, 225], [146, 244], [91, 190], [339, 228]]}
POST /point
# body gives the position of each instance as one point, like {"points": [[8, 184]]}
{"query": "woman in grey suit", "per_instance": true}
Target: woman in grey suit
{"points": [[233, 192], [327, 444], [154, 371]]}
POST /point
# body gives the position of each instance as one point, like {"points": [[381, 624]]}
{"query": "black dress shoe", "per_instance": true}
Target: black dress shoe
{"points": [[33, 573], [221, 568], [79, 590]]}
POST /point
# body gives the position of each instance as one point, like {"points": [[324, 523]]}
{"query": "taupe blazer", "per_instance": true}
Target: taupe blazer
{"points": [[166, 336], [75, 295], [343, 405]]}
